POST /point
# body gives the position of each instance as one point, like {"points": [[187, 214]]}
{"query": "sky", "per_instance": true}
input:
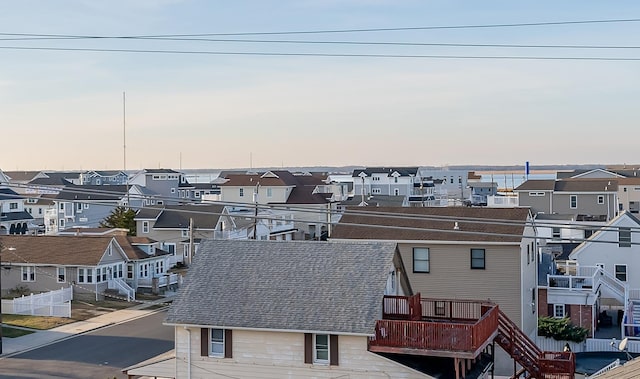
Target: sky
{"points": [[65, 110]]}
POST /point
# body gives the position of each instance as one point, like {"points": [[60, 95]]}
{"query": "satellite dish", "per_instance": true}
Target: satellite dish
{"points": [[623, 344]]}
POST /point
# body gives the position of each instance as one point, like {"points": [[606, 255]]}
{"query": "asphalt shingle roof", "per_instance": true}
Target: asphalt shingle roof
{"points": [[437, 224], [177, 216], [403, 171], [55, 250], [286, 285]]}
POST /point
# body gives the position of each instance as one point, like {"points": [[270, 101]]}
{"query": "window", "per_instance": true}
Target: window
{"points": [[62, 206], [145, 226], [241, 192], [321, 349], [439, 308], [573, 201], [13, 205], [624, 237], [395, 179], [28, 273], [39, 211], [421, 259], [396, 192], [600, 199], [269, 191], [621, 272], [376, 191], [375, 178], [217, 343], [536, 194], [61, 223], [185, 233], [588, 233], [129, 271], [185, 250], [170, 247], [478, 259], [558, 310], [173, 190], [555, 233], [62, 274], [78, 207]]}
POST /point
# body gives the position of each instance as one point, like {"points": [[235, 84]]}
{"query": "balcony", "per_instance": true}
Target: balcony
{"points": [[433, 327]]}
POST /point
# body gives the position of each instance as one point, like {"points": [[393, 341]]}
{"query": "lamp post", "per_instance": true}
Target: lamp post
{"points": [[2, 248]]}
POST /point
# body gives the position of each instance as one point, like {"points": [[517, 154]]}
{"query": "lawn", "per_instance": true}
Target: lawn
{"points": [[35, 322], [13, 333]]}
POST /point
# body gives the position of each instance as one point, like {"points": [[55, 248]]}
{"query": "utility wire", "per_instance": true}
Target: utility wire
{"points": [[329, 55], [363, 43]]}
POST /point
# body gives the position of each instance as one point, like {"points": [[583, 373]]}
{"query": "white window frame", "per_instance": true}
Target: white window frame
{"points": [[536, 194], [561, 308], [600, 199], [185, 233], [626, 272], [427, 260], [269, 192], [216, 342], [145, 227], [13, 205], [321, 348], [624, 237], [241, 192], [28, 273], [573, 201], [61, 273], [376, 191]]}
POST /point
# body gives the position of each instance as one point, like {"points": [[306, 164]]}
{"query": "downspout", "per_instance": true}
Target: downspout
{"points": [[188, 354]]}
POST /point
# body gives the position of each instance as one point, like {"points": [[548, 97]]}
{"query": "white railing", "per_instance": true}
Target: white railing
{"points": [[599, 344], [590, 278], [570, 282], [550, 344], [53, 303], [123, 288], [163, 281], [606, 368], [634, 294], [502, 201]]}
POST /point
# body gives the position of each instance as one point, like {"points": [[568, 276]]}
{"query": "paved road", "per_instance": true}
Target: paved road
{"points": [[101, 354]]}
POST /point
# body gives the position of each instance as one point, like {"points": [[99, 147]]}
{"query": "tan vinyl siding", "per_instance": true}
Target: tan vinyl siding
{"points": [[451, 275], [266, 355]]}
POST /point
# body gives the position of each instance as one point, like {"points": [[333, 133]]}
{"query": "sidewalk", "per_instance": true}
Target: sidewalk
{"points": [[41, 338]]}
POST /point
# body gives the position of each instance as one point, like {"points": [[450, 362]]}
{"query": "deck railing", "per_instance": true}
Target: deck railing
{"points": [[557, 365], [444, 325]]}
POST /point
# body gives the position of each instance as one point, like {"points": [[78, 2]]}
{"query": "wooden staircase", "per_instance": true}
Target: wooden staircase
{"points": [[535, 363]]}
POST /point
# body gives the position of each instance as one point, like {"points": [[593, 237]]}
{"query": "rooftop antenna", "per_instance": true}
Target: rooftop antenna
{"points": [[124, 143]]}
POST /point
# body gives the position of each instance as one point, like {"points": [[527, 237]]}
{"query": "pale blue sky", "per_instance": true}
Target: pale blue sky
{"points": [[63, 110]]}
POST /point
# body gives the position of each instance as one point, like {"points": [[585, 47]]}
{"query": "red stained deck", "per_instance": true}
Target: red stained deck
{"points": [[434, 327]]}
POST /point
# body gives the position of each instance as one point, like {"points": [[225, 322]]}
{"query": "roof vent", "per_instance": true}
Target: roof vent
{"points": [[456, 226]]}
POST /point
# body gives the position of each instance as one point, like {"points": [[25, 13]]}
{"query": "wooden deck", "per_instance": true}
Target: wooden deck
{"points": [[435, 327]]}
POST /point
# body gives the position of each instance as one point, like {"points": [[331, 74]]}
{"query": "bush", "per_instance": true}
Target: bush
{"points": [[561, 329], [19, 291]]}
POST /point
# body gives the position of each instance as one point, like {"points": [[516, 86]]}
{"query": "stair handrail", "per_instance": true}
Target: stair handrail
{"points": [[519, 340]]}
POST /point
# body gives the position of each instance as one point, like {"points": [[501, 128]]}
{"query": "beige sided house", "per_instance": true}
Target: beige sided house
{"points": [[459, 253]]}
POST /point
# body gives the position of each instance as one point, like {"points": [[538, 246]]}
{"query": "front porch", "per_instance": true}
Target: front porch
{"points": [[432, 327], [160, 283]]}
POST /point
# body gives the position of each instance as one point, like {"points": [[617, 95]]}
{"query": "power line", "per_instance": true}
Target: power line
{"points": [[328, 55], [363, 43]]}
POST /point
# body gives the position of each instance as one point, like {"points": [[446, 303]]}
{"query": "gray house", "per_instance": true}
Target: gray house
{"points": [[102, 178], [597, 198], [165, 183], [170, 226]]}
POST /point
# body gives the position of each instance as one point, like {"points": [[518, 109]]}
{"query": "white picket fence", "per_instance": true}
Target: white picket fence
{"points": [[53, 303]]}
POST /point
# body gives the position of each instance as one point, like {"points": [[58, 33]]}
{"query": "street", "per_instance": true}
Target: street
{"points": [[100, 354]]}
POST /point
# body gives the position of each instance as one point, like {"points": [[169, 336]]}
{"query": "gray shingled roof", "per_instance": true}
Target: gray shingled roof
{"points": [[287, 285]]}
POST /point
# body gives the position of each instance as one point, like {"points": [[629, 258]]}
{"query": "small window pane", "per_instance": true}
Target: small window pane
{"points": [[421, 259], [477, 259], [217, 342], [322, 347]]}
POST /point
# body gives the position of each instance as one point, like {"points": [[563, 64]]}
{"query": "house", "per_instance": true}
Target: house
{"points": [[593, 197], [45, 263], [82, 206], [92, 261], [164, 183], [629, 194], [104, 178], [300, 194], [452, 183], [13, 218], [480, 191], [178, 228], [396, 181], [262, 224], [325, 310], [460, 253], [602, 287]]}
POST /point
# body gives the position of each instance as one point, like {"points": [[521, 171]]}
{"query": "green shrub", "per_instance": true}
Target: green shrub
{"points": [[561, 329]]}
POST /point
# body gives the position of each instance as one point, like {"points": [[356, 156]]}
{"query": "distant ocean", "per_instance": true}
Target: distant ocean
{"points": [[513, 179]]}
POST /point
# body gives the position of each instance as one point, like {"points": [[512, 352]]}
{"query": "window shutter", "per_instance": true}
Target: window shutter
{"points": [[333, 350], [308, 348], [204, 342], [567, 310], [550, 311], [228, 343]]}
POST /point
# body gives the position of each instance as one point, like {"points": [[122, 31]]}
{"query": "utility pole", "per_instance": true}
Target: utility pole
{"points": [[190, 257], [255, 213], [124, 144]]}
